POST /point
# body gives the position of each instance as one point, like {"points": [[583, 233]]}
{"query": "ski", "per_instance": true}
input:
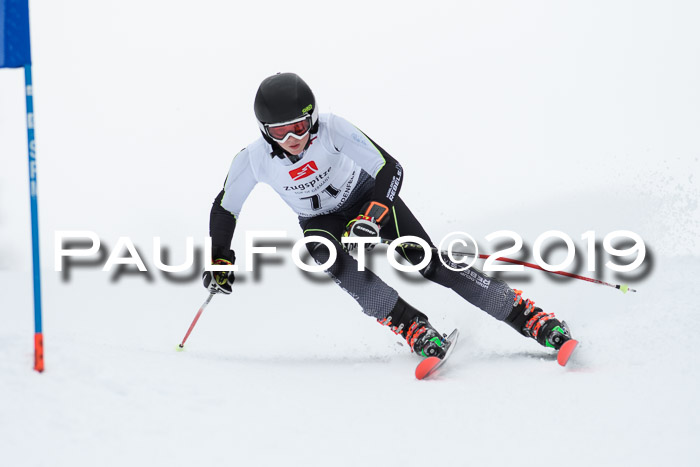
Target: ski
{"points": [[430, 365], [565, 351]]}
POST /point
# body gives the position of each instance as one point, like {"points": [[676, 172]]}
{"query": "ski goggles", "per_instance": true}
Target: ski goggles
{"points": [[296, 129]]}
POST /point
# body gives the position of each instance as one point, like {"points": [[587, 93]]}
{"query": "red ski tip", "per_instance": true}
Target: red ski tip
{"points": [[425, 367], [565, 351]]}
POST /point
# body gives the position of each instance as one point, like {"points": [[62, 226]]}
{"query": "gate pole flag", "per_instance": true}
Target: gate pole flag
{"points": [[15, 53]]}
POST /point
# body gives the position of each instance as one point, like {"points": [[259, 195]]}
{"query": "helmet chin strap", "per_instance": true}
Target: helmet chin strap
{"points": [[277, 151], [292, 158]]}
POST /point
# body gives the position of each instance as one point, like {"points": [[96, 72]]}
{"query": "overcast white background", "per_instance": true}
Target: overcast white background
{"points": [[496, 109], [519, 115]]}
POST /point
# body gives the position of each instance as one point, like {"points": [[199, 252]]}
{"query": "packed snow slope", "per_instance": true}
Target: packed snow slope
{"points": [[296, 375], [505, 115]]}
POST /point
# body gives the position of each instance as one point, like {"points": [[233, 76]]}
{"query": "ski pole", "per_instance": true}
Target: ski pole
{"points": [[624, 288], [199, 313]]}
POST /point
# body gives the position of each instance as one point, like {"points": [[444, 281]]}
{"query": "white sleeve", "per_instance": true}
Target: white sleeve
{"points": [[239, 183], [349, 140]]}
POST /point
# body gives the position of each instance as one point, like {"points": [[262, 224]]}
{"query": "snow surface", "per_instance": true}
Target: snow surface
{"points": [[573, 116]]}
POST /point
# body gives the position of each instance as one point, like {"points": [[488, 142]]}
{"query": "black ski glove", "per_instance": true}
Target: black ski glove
{"points": [[220, 281], [373, 216]]}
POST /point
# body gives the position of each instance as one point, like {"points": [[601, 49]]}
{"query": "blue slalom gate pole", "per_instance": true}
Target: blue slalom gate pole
{"points": [[36, 264], [15, 52]]}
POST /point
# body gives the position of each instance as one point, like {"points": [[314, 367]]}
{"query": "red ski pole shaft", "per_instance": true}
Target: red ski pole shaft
{"points": [[199, 313], [623, 288]]}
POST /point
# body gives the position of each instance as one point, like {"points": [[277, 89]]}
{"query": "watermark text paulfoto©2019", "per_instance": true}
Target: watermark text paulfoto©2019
{"points": [[460, 258]]}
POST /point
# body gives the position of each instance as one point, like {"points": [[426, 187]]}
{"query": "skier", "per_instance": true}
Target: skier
{"points": [[341, 183]]}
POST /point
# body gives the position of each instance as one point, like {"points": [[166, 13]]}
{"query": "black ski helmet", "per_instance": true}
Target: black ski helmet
{"points": [[284, 97]]}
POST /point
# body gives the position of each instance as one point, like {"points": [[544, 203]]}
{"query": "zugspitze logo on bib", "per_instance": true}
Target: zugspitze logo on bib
{"points": [[304, 171]]}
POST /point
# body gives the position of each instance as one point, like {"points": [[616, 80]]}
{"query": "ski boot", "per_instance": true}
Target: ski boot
{"points": [[531, 321], [422, 338]]}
